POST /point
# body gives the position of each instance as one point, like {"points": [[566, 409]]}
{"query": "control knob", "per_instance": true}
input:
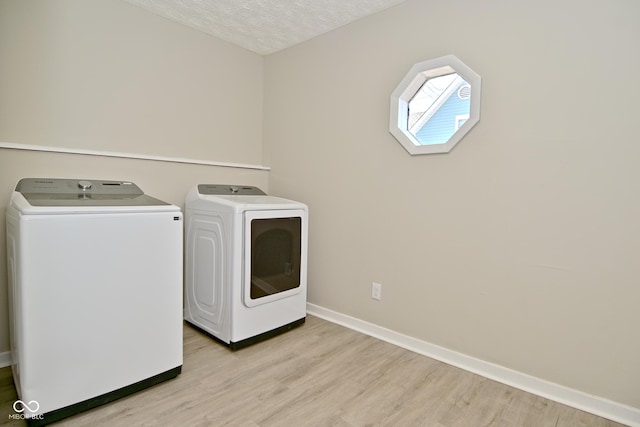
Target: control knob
{"points": [[84, 185]]}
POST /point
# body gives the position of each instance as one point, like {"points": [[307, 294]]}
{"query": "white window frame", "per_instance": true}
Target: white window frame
{"points": [[411, 84]]}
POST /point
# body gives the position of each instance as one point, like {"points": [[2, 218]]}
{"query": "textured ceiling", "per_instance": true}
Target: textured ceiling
{"points": [[264, 26]]}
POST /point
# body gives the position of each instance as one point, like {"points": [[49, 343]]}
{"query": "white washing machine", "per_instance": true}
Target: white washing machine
{"points": [[95, 293], [245, 263]]}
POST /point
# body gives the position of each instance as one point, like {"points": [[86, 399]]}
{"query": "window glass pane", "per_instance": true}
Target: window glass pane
{"points": [[439, 108]]}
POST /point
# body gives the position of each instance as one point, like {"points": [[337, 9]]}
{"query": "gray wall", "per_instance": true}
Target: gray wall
{"points": [[105, 76], [520, 246]]}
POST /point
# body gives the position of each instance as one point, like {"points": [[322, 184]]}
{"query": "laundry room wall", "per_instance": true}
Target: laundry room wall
{"points": [[105, 77], [520, 246]]}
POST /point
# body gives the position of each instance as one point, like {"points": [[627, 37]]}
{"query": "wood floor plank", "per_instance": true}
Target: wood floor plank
{"points": [[320, 374]]}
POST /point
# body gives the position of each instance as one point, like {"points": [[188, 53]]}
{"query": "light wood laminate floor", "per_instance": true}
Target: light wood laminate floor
{"points": [[320, 374]]}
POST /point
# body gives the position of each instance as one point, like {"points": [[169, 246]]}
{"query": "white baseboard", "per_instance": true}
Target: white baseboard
{"points": [[5, 359], [593, 404]]}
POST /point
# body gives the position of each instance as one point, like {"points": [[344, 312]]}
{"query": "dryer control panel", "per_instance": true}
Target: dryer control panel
{"points": [[230, 190]]}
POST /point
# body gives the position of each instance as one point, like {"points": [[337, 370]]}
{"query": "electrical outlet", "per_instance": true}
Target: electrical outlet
{"points": [[376, 291]]}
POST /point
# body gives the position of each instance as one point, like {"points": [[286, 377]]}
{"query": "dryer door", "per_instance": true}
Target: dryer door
{"points": [[275, 255]]}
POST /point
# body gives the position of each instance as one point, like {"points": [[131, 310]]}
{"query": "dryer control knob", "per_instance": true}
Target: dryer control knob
{"points": [[234, 189], [84, 185]]}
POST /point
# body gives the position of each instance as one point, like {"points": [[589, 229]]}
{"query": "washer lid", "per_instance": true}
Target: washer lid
{"points": [[72, 192]]}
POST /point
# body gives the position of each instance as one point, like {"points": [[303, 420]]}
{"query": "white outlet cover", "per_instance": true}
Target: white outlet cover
{"points": [[376, 291]]}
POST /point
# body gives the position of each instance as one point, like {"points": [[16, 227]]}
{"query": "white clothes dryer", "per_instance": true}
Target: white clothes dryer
{"points": [[245, 263], [95, 293]]}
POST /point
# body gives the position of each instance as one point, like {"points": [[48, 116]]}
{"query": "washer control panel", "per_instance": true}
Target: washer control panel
{"points": [[74, 186], [83, 192]]}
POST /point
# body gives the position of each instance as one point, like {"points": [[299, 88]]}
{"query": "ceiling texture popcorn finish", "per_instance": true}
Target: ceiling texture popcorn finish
{"points": [[265, 26]]}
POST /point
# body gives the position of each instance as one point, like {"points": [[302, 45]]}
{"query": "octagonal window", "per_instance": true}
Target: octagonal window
{"points": [[435, 106]]}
